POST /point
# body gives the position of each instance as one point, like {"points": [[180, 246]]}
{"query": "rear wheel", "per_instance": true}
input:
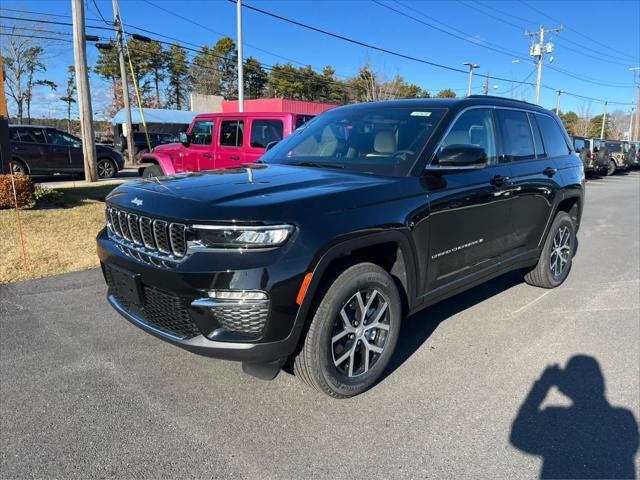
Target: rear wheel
{"points": [[19, 168], [611, 168], [555, 260], [353, 333], [152, 171], [106, 168]]}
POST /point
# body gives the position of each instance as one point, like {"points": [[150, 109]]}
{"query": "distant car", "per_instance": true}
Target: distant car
{"points": [[617, 160], [47, 150], [591, 153], [631, 154], [141, 146], [218, 140]]}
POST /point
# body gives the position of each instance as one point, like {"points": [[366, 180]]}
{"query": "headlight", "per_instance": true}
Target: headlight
{"points": [[233, 236]]}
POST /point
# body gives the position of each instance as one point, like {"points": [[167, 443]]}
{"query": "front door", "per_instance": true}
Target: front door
{"points": [[65, 151], [231, 152], [469, 210], [199, 155]]}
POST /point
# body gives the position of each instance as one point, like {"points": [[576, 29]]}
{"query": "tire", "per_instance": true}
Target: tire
{"points": [[106, 168], [550, 272], [334, 355], [152, 171], [611, 168], [19, 167]]}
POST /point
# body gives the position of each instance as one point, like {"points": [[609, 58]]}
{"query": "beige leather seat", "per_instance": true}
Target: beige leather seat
{"points": [[384, 144]]}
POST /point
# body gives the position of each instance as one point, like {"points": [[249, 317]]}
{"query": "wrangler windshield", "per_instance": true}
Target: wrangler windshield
{"points": [[377, 140]]}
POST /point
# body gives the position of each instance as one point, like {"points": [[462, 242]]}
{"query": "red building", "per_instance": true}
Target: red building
{"points": [[277, 105]]}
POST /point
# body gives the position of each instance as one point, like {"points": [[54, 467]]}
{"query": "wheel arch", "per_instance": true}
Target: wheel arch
{"points": [[22, 161], [390, 250], [162, 160]]}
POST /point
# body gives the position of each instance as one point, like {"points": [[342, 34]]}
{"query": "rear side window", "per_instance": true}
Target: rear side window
{"points": [[553, 137], [515, 133], [302, 120], [578, 144], [614, 147], [31, 135], [231, 133], [201, 133], [14, 136], [263, 132]]}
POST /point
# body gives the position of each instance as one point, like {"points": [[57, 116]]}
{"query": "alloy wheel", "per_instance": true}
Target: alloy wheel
{"points": [[105, 169], [560, 251], [360, 332], [18, 169]]}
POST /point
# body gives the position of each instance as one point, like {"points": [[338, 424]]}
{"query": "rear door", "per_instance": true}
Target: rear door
{"points": [[32, 149], [231, 142], [263, 131], [535, 173], [469, 220]]}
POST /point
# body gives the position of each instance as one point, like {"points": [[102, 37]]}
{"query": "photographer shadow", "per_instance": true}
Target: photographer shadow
{"points": [[589, 439]]}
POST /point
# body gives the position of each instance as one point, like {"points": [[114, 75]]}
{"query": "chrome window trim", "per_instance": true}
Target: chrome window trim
{"points": [[494, 108]]}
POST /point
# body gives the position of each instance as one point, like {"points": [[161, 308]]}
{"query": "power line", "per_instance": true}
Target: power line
{"points": [[577, 32], [95, 4]]}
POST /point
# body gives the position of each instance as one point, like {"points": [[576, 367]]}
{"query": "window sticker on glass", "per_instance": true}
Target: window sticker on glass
{"points": [[420, 114]]}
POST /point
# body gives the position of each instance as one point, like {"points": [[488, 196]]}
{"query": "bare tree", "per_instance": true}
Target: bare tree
{"points": [[619, 123], [69, 98], [23, 60], [584, 119]]}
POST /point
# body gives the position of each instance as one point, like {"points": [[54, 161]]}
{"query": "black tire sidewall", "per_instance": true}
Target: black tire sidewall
{"points": [[152, 171], [341, 291], [562, 219]]}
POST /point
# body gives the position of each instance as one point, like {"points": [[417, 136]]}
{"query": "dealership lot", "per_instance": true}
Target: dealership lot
{"points": [[83, 393]]}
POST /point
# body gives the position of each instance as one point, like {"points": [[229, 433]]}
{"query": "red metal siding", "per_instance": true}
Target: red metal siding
{"points": [[277, 105]]}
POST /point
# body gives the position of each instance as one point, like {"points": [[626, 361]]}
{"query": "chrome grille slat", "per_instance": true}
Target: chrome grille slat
{"points": [[146, 232], [147, 237], [161, 236], [134, 228]]}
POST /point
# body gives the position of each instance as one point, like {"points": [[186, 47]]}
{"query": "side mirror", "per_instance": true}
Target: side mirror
{"points": [[184, 139], [270, 145], [455, 158]]}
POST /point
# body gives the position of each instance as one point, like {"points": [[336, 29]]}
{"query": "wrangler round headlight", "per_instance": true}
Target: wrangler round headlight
{"points": [[234, 236]]}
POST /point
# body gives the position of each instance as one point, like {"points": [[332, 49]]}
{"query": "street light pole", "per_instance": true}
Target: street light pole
{"points": [[471, 67], [604, 120], [240, 58]]}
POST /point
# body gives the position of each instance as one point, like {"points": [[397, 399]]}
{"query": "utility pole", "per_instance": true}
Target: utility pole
{"points": [[604, 120], [240, 60], [125, 82], [471, 66], [560, 92], [486, 85], [84, 92], [5, 147], [631, 125], [636, 78], [538, 50]]}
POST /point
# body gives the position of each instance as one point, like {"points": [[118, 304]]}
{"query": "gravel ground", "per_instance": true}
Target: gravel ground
{"points": [[85, 394]]}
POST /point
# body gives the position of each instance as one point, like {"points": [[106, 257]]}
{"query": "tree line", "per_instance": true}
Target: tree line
{"points": [[584, 125], [166, 76]]}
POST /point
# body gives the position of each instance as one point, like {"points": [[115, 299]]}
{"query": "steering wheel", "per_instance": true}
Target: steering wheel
{"points": [[403, 152]]}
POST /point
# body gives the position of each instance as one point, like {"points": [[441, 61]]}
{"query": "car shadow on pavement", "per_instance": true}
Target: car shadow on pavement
{"points": [[417, 328], [589, 439]]}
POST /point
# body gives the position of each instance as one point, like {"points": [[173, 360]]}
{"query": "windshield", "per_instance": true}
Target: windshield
{"points": [[376, 140]]}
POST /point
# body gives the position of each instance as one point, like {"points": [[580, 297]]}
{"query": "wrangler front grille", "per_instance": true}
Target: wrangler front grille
{"points": [[148, 234]]}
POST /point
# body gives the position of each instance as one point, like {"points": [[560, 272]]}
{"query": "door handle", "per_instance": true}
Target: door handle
{"points": [[235, 157], [550, 171], [498, 180], [206, 155]]}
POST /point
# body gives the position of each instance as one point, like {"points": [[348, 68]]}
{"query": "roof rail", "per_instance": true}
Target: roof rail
{"points": [[501, 98]]}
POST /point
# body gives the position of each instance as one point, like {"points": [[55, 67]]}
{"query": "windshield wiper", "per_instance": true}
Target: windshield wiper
{"points": [[315, 164]]}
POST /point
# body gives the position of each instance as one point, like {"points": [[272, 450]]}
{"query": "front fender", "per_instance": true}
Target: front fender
{"points": [[161, 159]]}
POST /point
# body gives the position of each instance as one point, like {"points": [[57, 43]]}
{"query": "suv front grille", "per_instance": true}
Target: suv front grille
{"points": [[147, 234]]}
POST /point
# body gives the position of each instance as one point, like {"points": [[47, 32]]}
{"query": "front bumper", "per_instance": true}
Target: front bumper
{"points": [[254, 333]]}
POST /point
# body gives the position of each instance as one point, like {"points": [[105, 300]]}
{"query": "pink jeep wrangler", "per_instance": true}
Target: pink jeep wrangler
{"points": [[219, 140]]}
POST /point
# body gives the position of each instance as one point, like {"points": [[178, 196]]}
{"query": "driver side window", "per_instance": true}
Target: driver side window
{"points": [[474, 127]]}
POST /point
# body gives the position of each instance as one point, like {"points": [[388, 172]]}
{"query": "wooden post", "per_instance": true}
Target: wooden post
{"points": [[5, 148], [84, 92]]}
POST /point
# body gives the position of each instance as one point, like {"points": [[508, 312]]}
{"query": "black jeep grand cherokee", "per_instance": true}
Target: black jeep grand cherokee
{"points": [[366, 214]]}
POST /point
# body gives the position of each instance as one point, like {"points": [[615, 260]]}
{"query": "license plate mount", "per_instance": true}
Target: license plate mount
{"points": [[126, 285]]}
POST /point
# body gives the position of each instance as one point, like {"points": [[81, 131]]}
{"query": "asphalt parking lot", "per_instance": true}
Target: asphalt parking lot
{"points": [[86, 394]]}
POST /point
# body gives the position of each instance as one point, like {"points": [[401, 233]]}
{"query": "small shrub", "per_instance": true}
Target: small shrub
{"points": [[48, 196], [25, 191]]}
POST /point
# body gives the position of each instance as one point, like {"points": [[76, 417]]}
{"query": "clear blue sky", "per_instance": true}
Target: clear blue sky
{"points": [[615, 25]]}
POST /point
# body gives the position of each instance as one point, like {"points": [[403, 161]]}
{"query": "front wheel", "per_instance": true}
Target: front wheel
{"points": [[353, 333], [152, 171], [555, 260], [611, 168], [106, 168], [19, 168]]}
